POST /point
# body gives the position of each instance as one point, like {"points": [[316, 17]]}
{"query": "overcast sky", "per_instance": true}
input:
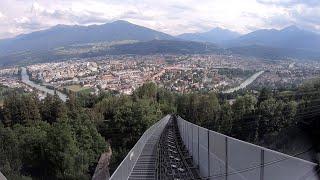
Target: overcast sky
{"points": [[170, 16]]}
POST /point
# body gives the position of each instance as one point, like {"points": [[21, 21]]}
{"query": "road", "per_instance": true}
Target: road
{"points": [[245, 83], [25, 79]]}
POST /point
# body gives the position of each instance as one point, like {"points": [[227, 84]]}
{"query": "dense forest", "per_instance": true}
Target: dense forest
{"points": [[50, 139]]}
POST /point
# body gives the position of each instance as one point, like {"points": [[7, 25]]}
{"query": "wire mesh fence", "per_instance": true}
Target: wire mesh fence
{"points": [[220, 157], [124, 169]]}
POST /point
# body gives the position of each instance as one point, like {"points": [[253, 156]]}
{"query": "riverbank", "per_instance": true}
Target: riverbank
{"points": [[245, 83], [25, 79]]}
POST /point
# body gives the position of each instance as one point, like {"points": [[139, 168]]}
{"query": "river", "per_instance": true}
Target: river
{"points": [[25, 79], [245, 83]]}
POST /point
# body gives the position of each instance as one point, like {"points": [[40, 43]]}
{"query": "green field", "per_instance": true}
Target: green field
{"points": [[78, 88]]}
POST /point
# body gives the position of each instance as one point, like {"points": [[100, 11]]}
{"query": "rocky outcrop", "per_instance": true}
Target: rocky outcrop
{"points": [[2, 177], [102, 169]]}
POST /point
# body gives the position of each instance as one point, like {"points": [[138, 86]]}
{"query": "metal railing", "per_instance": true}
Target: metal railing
{"points": [[124, 169], [220, 157]]}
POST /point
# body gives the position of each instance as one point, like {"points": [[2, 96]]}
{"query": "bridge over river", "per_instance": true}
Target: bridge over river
{"points": [[176, 149]]}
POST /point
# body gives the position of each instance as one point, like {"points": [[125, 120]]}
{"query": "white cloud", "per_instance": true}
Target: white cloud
{"points": [[1, 15], [170, 16], [289, 3]]}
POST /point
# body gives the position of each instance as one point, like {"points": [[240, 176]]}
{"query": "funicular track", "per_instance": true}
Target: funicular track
{"points": [[173, 160]]}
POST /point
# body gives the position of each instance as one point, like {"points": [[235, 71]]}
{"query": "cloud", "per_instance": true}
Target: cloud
{"points": [[170, 16], [82, 18], [307, 17], [291, 2], [29, 24]]}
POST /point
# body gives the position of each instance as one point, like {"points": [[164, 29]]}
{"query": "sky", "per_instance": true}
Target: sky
{"points": [[170, 16]]}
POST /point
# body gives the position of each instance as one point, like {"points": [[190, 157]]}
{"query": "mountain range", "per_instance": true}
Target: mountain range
{"points": [[290, 37], [290, 42], [63, 35], [216, 35]]}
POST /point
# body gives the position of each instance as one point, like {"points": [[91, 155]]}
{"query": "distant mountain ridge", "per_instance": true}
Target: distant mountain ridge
{"points": [[216, 35], [166, 47], [290, 42], [64, 35], [135, 48], [290, 37], [275, 53]]}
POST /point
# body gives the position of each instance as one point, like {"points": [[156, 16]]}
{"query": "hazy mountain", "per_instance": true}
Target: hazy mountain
{"points": [[166, 47], [216, 35], [137, 48], [63, 35], [289, 38], [275, 53], [288, 42]]}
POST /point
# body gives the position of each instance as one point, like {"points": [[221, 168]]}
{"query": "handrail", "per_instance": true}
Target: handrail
{"points": [[129, 161]]}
